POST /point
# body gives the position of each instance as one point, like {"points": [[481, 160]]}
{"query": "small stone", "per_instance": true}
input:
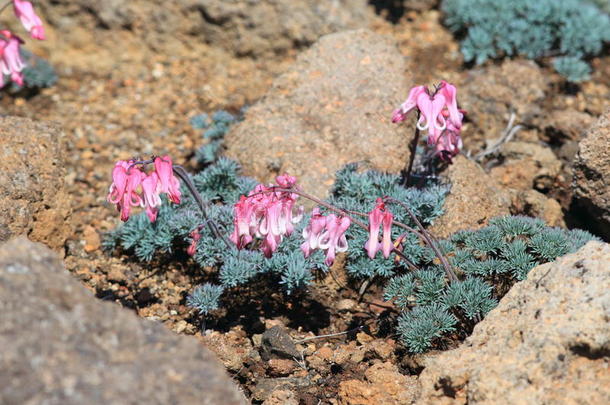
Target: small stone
{"points": [[92, 239], [282, 397], [276, 341], [281, 367], [346, 304], [363, 338], [116, 274]]}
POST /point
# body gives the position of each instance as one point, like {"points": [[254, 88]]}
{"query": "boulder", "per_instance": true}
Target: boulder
{"points": [[474, 199], [33, 198], [547, 342], [591, 180], [331, 108], [62, 346], [253, 28], [260, 27]]}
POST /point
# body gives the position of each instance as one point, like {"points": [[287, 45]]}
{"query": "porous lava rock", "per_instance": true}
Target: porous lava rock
{"points": [[591, 180], [547, 342], [474, 199], [33, 198], [62, 346], [331, 108]]}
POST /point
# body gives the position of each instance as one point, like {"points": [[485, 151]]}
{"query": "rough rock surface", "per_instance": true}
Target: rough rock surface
{"points": [[527, 165], [257, 27], [33, 199], [243, 27], [491, 94], [547, 342], [535, 204], [62, 346], [592, 175], [474, 199], [567, 124], [384, 385], [330, 109]]}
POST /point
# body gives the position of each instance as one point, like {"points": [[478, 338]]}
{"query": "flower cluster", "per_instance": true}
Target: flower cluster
{"points": [[11, 63], [132, 187], [439, 114], [326, 233], [266, 213]]}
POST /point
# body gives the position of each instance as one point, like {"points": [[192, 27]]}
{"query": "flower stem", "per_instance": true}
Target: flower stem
{"points": [[413, 148], [8, 3], [180, 172], [429, 239]]}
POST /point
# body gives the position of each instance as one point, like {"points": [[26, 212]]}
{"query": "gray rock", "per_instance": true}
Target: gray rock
{"points": [[33, 199], [260, 27], [547, 342], [62, 346], [276, 341], [333, 107], [591, 181]]}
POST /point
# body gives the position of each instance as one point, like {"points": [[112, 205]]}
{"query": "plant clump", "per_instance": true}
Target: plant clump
{"points": [[572, 30], [488, 261]]}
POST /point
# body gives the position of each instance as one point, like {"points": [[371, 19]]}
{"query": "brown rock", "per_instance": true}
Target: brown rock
{"points": [[92, 239], [330, 109], [568, 124], [62, 346], [281, 367], [527, 165], [492, 93], [282, 397], [33, 200], [383, 385], [474, 198], [232, 348], [535, 204], [592, 175], [274, 26], [547, 342]]}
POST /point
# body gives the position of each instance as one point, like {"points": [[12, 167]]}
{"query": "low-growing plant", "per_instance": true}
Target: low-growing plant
{"points": [[244, 230], [571, 30]]}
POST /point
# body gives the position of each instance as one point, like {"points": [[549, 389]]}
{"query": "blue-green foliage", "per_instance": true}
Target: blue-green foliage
{"points": [[215, 128], [503, 252], [354, 190], [221, 185], [574, 29], [38, 73], [205, 298], [573, 69]]}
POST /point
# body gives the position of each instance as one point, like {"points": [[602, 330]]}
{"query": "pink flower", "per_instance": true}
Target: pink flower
{"points": [[439, 114], [241, 235], [401, 113], [449, 91], [449, 143], [123, 193], [151, 200], [313, 232], [31, 22], [119, 182], [333, 239], [168, 183], [266, 213], [195, 237], [379, 216], [10, 62]]}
